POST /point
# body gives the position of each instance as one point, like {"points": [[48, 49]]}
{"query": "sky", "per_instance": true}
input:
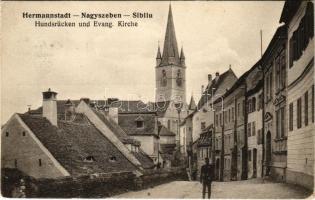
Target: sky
{"points": [[120, 62]]}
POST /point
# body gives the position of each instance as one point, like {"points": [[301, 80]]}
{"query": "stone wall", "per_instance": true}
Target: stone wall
{"points": [[89, 186]]}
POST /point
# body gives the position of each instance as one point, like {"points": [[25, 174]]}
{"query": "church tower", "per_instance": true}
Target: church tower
{"points": [[170, 71]]}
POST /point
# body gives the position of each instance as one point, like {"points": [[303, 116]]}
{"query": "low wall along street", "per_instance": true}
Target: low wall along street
{"points": [[87, 186]]}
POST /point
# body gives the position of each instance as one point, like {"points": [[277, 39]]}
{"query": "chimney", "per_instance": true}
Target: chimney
{"points": [[69, 110], [86, 100], [209, 78], [50, 106], [217, 76], [113, 113]]}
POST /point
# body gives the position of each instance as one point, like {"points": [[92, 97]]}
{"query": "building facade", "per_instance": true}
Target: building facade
{"points": [[275, 99], [299, 18]]}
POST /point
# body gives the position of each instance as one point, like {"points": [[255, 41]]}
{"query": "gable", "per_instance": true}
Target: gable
{"points": [[23, 150]]}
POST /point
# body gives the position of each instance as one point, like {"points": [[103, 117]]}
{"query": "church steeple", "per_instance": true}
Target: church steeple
{"points": [[170, 49]]}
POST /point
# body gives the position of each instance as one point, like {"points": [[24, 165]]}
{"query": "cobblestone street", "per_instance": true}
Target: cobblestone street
{"points": [[255, 189]]}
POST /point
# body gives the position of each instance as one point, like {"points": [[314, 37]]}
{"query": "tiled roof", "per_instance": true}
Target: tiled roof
{"points": [[115, 128], [167, 148], [71, 143], [163, 131], [128, 123], [136, 106], [289, 9], [215, 84], [159, 107], [144, 159], [131, 106], [141, 156]]}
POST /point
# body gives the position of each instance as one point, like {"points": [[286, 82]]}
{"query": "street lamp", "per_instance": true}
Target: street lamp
{"points": [[178, 107]]}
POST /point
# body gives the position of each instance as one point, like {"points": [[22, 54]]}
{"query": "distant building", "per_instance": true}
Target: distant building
{"points": [[254, 125], [298, 16], [139, 123]]}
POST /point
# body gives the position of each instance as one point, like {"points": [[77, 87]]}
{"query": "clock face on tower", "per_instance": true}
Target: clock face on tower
{"points": [[179, 80]]}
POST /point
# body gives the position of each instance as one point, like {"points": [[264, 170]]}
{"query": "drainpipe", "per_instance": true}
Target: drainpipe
{"points": [[263, 126], [245, 148], [235, 150], [222, 147]]}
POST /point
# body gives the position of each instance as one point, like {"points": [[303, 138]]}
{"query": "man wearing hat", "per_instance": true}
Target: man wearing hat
{"points": [[206, 177]]}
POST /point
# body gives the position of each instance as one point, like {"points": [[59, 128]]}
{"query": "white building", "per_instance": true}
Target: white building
{"points": [[299, 18]]}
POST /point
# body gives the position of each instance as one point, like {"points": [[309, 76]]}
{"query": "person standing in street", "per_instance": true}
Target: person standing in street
{"points": [[206, 177]]}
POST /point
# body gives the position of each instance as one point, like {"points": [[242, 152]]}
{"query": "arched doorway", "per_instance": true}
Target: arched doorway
{"points": [[268, 152], [254, 163], [217, 169]]}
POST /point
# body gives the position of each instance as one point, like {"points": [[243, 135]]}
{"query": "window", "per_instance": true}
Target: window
{"points": [[88, 159], [23, 133], [299, 113], [253, 104], [40, 162], [113, 159], [259, 106], [300, 37], [283, 69], [7, 134], [238, 109], [313, 103], [291, 117], [207, 153], [278, 124], [282, 131], [270, 85], [278, 79], [203, 125], [168, 124], [267, 88], [216, 120], [249, 129], [259, 136], [140, 124], [306, 108], [232, 113], [229, 115], [249, 155], [244, 108], [254, 129], [249, 106]]}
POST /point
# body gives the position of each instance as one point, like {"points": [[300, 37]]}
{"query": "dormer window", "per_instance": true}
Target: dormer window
{"points": [[113, 159], [139, 122], [89, 159]]}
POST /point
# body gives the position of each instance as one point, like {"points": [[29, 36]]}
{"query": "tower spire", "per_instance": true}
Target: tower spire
{"points": [[170, 49]]}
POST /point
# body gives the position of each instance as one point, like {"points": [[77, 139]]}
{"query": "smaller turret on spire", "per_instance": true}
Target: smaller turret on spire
{"points": [[182, 57], [192, 104], [158, 56]]}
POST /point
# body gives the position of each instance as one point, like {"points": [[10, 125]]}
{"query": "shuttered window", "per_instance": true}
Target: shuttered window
{"points": [[306, 108], [291, 117], [299, 113]]}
